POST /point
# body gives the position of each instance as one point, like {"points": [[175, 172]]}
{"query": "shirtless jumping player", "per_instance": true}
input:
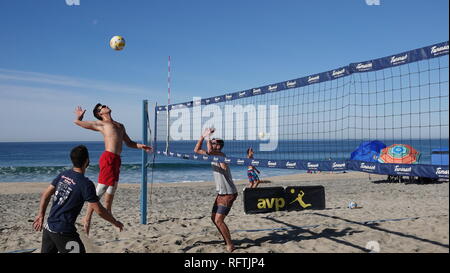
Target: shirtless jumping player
{"points": [[114, 134]]}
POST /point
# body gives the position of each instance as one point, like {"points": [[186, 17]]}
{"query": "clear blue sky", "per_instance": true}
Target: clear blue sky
{"points": [[54, 57]]}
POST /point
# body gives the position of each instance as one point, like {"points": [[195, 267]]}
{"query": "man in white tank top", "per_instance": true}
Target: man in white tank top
{"points": [[226, 190]]}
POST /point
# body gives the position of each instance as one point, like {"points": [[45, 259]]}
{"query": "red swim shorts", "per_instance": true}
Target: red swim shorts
{"points": [[109, 168]]}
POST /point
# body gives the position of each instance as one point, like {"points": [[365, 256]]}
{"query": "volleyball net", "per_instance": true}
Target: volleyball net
{"points": [[317, 122]]}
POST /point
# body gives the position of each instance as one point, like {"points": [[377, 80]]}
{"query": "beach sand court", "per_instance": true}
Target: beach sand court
{"points": [[179, 219]]}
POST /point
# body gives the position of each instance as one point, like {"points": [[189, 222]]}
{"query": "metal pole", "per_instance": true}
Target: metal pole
{"points": [[144, 163], [168, 105], [155, 131]]}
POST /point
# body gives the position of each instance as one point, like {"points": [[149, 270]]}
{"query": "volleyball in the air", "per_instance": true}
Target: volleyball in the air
{"points": [[352, 205], [117, 43], [261, 135]]}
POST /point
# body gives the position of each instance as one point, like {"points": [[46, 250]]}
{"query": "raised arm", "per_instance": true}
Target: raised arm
{"points": [[91, 125], [198, 147], [223, 165]]}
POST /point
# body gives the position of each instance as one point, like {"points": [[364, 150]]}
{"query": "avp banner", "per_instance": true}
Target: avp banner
{"points": [[271, 199]]}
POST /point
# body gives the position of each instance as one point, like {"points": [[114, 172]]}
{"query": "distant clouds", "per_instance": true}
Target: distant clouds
{"points": [[18, 78], [37, 106]]}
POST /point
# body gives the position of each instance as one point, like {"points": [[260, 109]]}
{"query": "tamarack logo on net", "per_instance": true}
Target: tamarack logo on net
{"points": [[73, 2], [373, 2], [442, 172], [231, 122]]}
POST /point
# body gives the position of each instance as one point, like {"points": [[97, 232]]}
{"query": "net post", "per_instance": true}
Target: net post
{"points": [[155, 130], [168, 130], [168, 106], [144, 163]]}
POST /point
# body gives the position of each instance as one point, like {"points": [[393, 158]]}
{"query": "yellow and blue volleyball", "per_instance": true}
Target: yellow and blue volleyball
{"points": [[117, 42]]}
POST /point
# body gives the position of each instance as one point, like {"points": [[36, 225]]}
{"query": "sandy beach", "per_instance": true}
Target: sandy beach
{"points": [[408, 218]]}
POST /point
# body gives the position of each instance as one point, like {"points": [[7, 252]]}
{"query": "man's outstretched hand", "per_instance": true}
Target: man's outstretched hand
{"points": [[208, 132], [79, 112], [146, 148]]}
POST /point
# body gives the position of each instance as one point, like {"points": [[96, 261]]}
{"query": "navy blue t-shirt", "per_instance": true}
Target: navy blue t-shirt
{"points": [[72, 190]]}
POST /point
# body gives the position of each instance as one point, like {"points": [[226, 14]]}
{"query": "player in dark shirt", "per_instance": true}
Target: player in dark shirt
{"points": [[70, 189]]}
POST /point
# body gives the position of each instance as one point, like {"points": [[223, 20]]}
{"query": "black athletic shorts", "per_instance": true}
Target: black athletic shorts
{"points": [[223, 203], [62, 242]]}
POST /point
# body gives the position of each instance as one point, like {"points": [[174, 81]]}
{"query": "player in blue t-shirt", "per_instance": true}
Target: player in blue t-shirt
{"points": [[71, 189]]}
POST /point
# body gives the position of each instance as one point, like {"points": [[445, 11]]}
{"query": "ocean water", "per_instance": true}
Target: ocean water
{"points": [[43, 161]]}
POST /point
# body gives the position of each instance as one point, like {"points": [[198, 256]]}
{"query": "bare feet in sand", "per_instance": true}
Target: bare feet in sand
{"points": [[230, 248]]}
